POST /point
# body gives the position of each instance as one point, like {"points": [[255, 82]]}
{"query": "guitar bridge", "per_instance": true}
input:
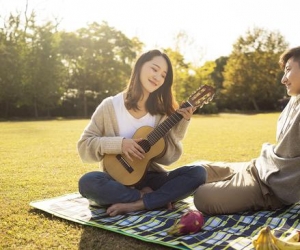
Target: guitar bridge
{"points": [[124, 163]]}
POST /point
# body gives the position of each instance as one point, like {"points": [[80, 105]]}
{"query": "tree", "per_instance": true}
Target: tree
{"points": [[251, 75], [11, 47], [180, 73], [218, 80], [43, 69], [99, 59], [211, 73]]}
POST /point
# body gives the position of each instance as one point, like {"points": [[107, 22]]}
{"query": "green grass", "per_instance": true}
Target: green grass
{"points": [[39, 160]]}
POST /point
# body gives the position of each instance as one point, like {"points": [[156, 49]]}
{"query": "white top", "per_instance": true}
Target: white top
{"points": [[126, 122]]}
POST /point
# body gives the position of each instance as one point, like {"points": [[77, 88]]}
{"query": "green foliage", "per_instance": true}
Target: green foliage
{"points": [[39, 160], [251, 73], [180, 72], [11, 45], [46, 72], [100, 62], [40, 64]]}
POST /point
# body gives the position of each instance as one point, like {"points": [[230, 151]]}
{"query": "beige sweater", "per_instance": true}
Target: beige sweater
{"points": [[279, 165], [101, 136]]}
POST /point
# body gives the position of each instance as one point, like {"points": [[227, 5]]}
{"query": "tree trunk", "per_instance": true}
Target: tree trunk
{"points": [[255, 104], [35, 106], [85, 109]]}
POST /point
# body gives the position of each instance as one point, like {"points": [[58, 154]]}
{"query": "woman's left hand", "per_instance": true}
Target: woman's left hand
{"points": [[186, 112]]}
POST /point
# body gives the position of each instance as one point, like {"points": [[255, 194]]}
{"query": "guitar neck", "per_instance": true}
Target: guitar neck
{"points": [[166, 125]]}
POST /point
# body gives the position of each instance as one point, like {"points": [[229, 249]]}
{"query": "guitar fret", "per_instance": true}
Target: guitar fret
{"points": [[165, 126]]}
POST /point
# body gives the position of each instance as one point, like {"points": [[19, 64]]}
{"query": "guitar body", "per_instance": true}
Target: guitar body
{"points": [[138, 168]]}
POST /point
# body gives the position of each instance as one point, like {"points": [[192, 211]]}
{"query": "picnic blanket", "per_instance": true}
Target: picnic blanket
{"points": [[219, 232]]}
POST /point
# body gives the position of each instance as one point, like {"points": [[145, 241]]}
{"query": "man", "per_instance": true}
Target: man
{"points": [[270, 181]]}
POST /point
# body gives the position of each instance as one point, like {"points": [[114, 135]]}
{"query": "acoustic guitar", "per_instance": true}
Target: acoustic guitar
{"points": [[130, 172]]}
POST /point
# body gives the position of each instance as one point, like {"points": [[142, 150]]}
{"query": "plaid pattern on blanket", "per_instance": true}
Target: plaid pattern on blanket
{"points": [[219, 232]]}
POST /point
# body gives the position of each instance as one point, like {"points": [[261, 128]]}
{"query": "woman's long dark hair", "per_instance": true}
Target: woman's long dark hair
{"points": [[161, 101]]}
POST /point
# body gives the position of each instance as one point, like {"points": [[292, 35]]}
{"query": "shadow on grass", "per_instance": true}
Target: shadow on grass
{"points": [[98, 238]]}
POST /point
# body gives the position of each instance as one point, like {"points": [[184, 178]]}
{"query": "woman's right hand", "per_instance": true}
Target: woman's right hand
{"points": [[131, 148]]}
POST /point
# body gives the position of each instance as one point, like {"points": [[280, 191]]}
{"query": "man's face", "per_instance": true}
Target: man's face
{"points": [[291, 78]]}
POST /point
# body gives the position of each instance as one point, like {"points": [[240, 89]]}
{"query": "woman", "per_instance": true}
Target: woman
{"points": [[147, 101]]}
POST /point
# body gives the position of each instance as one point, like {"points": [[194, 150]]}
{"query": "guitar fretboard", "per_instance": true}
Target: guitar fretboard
{"points": [[166, 125]]}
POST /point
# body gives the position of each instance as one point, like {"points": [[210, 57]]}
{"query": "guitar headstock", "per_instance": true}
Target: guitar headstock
{"points": [[203, 95]]}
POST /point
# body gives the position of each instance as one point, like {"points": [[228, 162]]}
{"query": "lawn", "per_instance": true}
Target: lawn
{"points": [[39, 160]]}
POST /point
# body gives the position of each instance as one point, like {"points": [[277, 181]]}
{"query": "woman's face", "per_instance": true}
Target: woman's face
{"points": [[291, 78], [153, 74]]}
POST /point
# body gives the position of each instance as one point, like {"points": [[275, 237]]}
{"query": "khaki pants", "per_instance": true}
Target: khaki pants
{"points": [[232, 188]]}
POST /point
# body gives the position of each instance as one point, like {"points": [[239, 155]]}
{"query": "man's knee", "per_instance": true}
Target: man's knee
{"points": [[202, 199]]}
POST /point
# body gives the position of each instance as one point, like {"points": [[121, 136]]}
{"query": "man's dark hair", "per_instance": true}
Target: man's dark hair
{"points": [[290, 53]]}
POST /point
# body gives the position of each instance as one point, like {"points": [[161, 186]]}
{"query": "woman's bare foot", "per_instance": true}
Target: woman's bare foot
{"points": [[170, 206], [123, 208]]}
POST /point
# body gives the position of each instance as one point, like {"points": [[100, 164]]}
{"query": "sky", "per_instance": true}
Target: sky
{"points": [[211, 26]]}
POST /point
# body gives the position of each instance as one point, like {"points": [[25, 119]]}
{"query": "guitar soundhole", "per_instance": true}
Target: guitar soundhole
{"points": [[145, 144]]}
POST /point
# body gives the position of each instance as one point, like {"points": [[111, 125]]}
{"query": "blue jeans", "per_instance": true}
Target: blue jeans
{"points": [[167, 187]]}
